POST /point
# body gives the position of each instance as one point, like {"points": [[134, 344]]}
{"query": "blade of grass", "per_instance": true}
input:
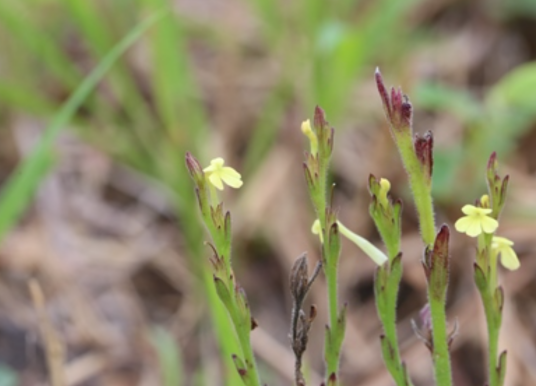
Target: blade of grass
{"points": [[22, 184], [169, 357], [19, 23]]}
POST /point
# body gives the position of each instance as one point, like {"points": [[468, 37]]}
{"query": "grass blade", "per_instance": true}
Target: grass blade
{"points": [[22, 184]]}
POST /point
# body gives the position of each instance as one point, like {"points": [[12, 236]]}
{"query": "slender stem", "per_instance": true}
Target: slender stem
{"points": [[224, 330], [493, 336], [395, 368], [249, 357], [332, 359], [493, 349], [242, 328], [332, 351], [441, 355], [420, 187]]}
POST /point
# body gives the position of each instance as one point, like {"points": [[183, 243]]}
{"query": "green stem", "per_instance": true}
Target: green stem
{"points": [[440, 355], [249, 357], [493, 350], [492, 322], [493, 317], [331, 351], [224, 329], [395, 365], [387, 282], [420, 187], [332, 358]]}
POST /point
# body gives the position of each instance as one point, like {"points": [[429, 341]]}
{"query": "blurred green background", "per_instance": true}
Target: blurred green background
{"points": [[100, 100]]}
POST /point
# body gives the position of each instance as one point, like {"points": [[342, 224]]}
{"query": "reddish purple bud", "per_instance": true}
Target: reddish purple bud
{"points": [[436, 264], [383, 94], [492, 162], [424, 151], [195, 170], [397, 107], [325, 134], [441, 246], [319, 121]]}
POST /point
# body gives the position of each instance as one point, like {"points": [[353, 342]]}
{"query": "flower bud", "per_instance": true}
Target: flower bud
{"points": [[423, 150], [436, 264], [397, 107]]}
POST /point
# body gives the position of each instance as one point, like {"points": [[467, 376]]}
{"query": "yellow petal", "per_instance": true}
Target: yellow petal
{"points": [[215, 180], [462, 224], [231, 177], [230, 173], [316, 229], [472, 210], [215, 165], [385, 184], [233, 182], [489, 225], [501, 241], [509, 259], [306, 127], [474, 228], [469, 209], [366, 246]]}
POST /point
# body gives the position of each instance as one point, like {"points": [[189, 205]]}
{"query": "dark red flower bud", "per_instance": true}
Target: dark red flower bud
{"points": [[424, 151], [397, 107]]}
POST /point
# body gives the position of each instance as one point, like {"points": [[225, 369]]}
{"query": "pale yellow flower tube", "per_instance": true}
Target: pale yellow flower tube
{"points": [[366, 246]]}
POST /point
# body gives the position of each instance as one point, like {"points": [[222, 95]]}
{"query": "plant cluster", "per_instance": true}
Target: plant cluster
{"points": [[481, 221]]}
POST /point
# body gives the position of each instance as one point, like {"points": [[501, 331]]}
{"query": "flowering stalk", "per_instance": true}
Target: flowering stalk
{"points": [[482, 221], [229, 291], [316, 170], [416, 154], [386, 216], [436, 266]]}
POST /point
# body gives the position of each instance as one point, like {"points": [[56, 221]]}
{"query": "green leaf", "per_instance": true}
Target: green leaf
{"points": [[22, 184]]}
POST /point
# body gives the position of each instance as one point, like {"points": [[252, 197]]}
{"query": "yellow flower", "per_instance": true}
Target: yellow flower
{"points": [[385, 186], [502, 246], [366, 246], [218, 174], [316, 229], [306, 129], [476, 221]]}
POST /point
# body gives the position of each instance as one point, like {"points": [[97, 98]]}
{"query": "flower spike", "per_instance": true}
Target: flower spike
{"points": [[218, 174], [476, 221]]}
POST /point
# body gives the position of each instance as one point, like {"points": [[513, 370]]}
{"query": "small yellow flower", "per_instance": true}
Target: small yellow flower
{"points": [[366, 246], [385, 186], [218, 174], [306, 129], [502, 246], [476, 221], [316, 229], [484, 201]]}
